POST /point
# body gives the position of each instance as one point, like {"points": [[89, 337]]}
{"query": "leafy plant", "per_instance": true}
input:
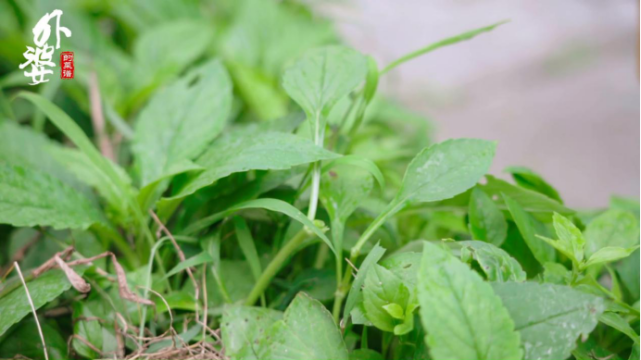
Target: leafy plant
{"points": [[241, 190]]}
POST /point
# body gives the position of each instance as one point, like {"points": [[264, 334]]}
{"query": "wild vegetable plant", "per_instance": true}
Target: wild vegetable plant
{"points": [[250, 195]]}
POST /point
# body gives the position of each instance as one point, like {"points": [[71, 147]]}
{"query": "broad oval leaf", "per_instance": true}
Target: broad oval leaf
{"points": [[487, 222], [463, 317], [355, 295], [383, 288], [404, 265], [242, 327], [24, 147], [612, 228], [609, 254], [31, 198], [180, 120], [530, 228], [444, 170], [307, 331], [549, 317], [323, 76], [48, 286], [497, 264], [528, 179], [533, 202], [244, 151], [172, 46]]}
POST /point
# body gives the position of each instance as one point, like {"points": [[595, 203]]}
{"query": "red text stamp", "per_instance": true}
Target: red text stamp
{"points": [[66, 65]]}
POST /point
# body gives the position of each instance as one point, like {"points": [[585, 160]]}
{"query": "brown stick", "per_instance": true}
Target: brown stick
{"points": [[98, 119], [33, 309], [181, 256]]}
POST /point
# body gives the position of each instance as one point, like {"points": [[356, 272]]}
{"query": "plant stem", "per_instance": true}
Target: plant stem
{"points": [[392, 209], [275, 265], [341, 292], [343, 287], [321, 255], [319, 135]]}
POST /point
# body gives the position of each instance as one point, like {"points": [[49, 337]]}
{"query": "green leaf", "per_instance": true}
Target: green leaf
{"points": [[609, 254], [612, 228], [181, 119], [383, 288], [307, 331], [37, 155], [549, 317], [487, 222], [24, 342], [259, 90], [365, 354], [444, 170], [323, 76], [201, 258], [355, 295], [342, 191], [358, 161], [570, 237], [43, 289], [439, 172], [78, 137], [529, 228], [615, 321], [533, 202], [172, 46], [439, 44], [244, 151], [497, 264], [404, 265], [268, 204], [413, 346], [556, 274], [242, 327], [394, 310], [31, 198], [463, 317], [247, 245], [528, 179], [87, 325], [79, 164]]}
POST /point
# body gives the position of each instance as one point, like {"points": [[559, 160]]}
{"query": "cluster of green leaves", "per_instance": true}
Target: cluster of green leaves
{"points": [[316, 217]]}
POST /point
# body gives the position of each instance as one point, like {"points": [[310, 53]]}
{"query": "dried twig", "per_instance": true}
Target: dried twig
{"points": [[76, 280], [33, 309], [123, 288], [204, 282], [98, 119], [181, 256]]}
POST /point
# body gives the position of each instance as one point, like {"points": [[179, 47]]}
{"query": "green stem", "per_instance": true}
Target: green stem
{"points": [[392, 209], [445, 42], [341, 293], [321, 255], [275, 265], [319, 135]]}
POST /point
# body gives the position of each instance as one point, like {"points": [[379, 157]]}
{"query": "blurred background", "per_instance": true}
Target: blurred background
{"points": [[557, 86]]}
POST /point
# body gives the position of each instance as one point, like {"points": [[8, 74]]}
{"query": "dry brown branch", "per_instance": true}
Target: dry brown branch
{"points": [[181, 256], [76, 280], [98, 119], [33, 310], [51, 263], [123, 288]]}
